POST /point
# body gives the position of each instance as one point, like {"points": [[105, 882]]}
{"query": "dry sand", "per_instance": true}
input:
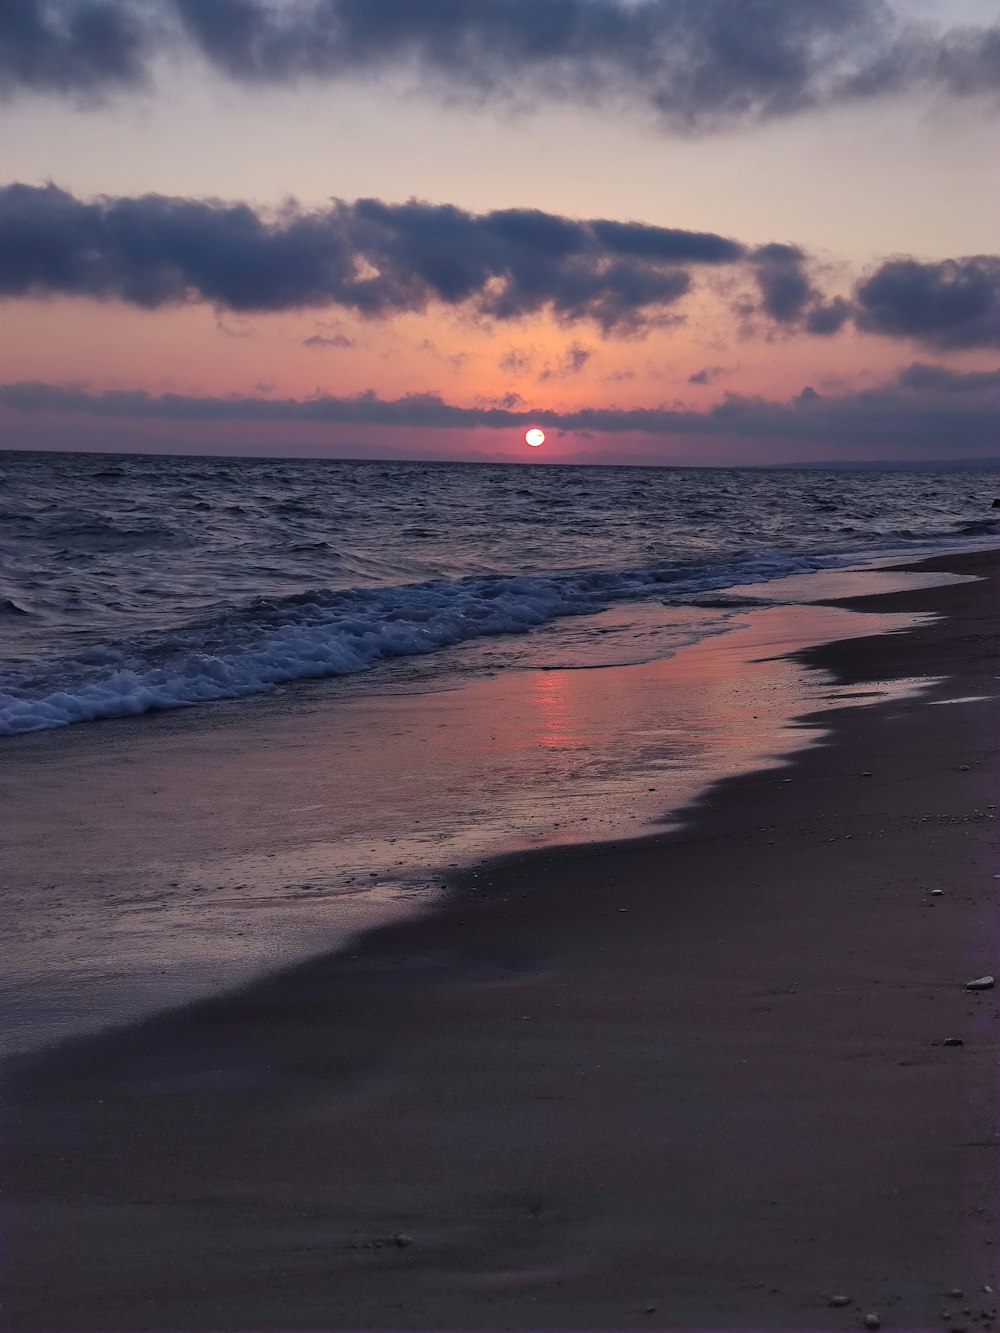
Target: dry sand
{"points": [[693, 1081]]}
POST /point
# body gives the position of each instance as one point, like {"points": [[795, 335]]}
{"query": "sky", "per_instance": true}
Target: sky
{"points": [[663, 231]]}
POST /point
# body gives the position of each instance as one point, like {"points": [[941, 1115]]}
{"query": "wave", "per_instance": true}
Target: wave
{"points": [[89, 535], [180, 574], [978, 527], [272, 642]]}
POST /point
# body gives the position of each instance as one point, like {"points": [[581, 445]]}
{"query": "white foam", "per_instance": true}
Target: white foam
{"points": [[272, 643], [965, 699]]}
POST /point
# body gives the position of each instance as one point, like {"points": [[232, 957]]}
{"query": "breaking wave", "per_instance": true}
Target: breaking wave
{"points": [[131, 584], [273, 642]]}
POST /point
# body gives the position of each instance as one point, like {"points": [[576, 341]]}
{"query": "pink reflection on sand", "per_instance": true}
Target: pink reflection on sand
{"points": [[247, 836], [551, 695]]}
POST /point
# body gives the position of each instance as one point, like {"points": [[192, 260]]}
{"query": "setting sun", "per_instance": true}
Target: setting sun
{"points": [[534, 437]]}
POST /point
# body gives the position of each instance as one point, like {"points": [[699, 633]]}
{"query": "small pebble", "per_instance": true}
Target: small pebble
{"points": [[838, 1302], [953, 1041], [936, 893], [956, 1293], [872, 1321], [980, 983], [401, 1240]]}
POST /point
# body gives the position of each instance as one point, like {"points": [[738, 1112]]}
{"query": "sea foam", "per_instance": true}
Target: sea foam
{"points": [[145, 583], [272, 642]]}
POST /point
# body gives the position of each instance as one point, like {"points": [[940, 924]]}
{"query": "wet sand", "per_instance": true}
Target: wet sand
{"points": [[697, 1080], [154, 861]]}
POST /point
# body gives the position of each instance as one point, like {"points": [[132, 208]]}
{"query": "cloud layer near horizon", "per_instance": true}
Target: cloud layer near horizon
{"points": [[923, 407], [380, 260], [695, 66]]}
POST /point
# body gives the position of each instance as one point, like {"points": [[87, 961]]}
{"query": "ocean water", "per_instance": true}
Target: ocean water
{"points": [[131, 585], [316, 690]]}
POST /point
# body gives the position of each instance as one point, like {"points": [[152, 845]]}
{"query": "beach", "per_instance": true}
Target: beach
{"points": [[706, 1078], [499, 666]]}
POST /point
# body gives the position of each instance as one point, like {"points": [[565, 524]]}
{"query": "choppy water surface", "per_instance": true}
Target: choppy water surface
{"points": [[133, 584], [442, 613]]}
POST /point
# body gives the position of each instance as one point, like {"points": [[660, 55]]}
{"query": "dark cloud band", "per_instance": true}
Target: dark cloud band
{"points": [[371, 257], [924, 407], [694, 63], [380, 260]]}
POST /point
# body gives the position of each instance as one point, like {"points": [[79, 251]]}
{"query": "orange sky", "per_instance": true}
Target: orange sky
{"points": [[194, 350], [852, 185]]}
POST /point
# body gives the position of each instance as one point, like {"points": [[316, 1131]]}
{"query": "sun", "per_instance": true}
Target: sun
{"points": [[534, 437]]}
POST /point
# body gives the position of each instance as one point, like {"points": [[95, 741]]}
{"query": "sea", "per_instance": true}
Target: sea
{"points": [[132, 585], [251, 708]]}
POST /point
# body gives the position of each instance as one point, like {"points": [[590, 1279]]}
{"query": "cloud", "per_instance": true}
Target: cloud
{"points": [[824, 318], [328, 340], [517, 361], [695, 66], [572, 361], [789, 295], [380, 260], [575, 358], [922, 408], [953, 303], [508, 401], [375, 258], [784, 284], [83, 49], [707, 376], [415, 409], [968, 61], [238, 328], [523, 361], [456, 361], [939, 379]]}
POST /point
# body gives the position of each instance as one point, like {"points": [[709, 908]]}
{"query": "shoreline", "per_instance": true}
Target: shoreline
{"points": [[246, 839], [693, 1097]]}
